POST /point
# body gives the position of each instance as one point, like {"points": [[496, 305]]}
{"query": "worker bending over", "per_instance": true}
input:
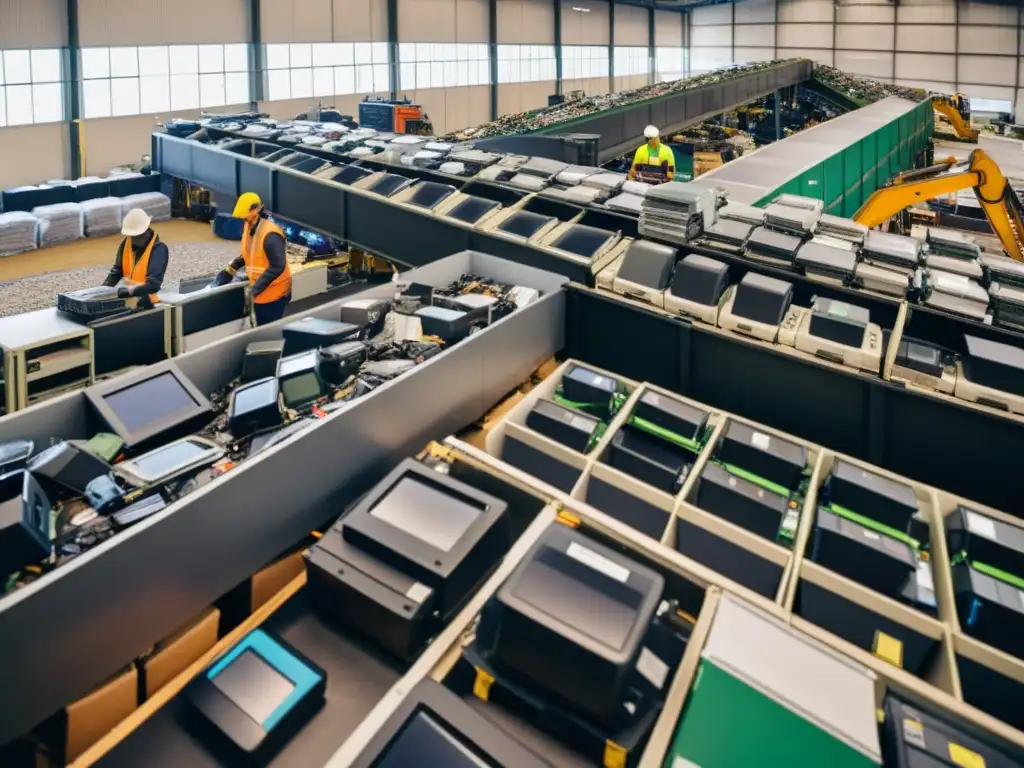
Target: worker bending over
{"points": [[141, 260], [653, 161], [265, 261]]}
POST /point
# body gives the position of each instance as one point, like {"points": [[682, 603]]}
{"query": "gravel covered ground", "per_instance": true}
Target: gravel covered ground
{"points": [[38, 292]]}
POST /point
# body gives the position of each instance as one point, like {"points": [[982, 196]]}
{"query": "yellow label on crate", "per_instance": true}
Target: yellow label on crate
{"points": [[964, 757], [567, 518], [889, 649], [614, 755], [482, 684]]}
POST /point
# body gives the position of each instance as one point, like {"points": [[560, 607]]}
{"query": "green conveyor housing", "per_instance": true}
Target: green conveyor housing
{"points": [[840, 162]]}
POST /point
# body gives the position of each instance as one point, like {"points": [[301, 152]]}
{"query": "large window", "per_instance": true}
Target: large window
{"points": [[443, 65], [526, 63], [581, 61], [630, 61], [162, 78], [31, 88], [669, 63], [311, 70]]}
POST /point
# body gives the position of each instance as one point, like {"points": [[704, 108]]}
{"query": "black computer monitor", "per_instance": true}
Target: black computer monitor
{"points": [[254, 407], [158, 402], [524, 224], [389, 184], [583, 241], [66, 467], [427, 194], [471, 209], [434, 728], [298, 380], [349, 174], [24, 522]]}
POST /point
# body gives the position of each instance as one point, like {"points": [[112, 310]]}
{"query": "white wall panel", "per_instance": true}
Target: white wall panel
{"points": [[49, 160], [864, 37], [711, 14], [805, 10], [820, 55], [755, 34], [1001, 93], [988, 40], [286, 21], [453, 108], [989, 70], [925, 37], [631, 25], [704, 59], [805, 36], [876, 12], [755, 54], [579, 28], [131, 22], [987, 13], [442, 21], [927, 85], [360, 21], [755, 12], [874, 65], [521, 97], [526, 22], [921, 66], [668, 29], [1019, 103], [926, 12], [709, 36], [593, 86], [33, 24]]}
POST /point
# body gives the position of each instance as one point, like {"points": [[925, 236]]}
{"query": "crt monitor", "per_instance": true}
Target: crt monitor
{"points": [[298, 380], [156, 403], [67, 467]]}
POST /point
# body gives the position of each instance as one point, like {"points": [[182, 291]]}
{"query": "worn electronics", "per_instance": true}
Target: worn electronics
{"points": [[368, 314], [24, 522], [430, 194], [768, 456], [919, 591], [827, 263], [104, 494], [867, 493], [568, 427], [843, 229], [992, 374], [912, 738], [136, 512], [156, 403], [649, 458], [586, 242], [91, 304], [757, 306], [893, 251], [748, 214], [838, 332], [433, 728], [350, 174], [389, 184], [985, 539], [881, 279], [741, 502], [66, 468], [958, 295], [472, 209], [990, 606], [698, 287], [164, 464], [314, 332], [877, 561], [255, 698], [298, 380], [670, 414], [729, 233], [645, 271], [449, 325], [926, 364], [405, 559], [582, 385], [254, 407], [14, 454], [525, 224], [484, 308], [106, 445], [261, 359], [336, 364], [570, 622]]}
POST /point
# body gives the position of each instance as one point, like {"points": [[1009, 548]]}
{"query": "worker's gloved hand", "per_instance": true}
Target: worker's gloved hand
{"points": [[124, 293], [223, 278]]}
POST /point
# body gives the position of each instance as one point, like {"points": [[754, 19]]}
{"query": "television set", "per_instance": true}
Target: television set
{"points": [[254, 407]]}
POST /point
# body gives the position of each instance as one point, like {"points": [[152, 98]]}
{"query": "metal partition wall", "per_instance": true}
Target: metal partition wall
{"points": [[934, 441], [80, 624]]}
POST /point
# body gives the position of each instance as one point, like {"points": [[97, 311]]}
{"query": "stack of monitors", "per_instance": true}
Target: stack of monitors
{"points": [[405, 559]]}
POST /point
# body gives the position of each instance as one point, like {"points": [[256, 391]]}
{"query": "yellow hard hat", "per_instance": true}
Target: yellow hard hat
{"points": [[246, 202]]}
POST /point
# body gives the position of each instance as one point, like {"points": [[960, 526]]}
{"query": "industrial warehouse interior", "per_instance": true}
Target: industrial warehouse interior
{"points": [[511, 383]]}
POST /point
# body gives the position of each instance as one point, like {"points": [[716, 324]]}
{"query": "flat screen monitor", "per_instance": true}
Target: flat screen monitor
{"points": [[253, 685], [436, 518], [583, 241], [67, 465], [166, 463], [149, 404], [428, 194], [389, 184], [427, 743], [349, 174], [472, 209], [524, 224]]}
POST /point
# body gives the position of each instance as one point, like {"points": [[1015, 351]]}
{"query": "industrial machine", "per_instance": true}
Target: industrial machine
{"points": [[394, 116], [1002, 207], [957, 109]]}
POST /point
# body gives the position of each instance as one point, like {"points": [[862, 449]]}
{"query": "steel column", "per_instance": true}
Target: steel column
{"points": [[558, 46], [392, 24], [72, 93], [492, 51], [256, 53]]}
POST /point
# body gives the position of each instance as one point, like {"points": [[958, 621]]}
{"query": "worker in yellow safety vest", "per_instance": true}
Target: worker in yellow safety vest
{"points": [[653, 161], [265, 261], [141, 260]]}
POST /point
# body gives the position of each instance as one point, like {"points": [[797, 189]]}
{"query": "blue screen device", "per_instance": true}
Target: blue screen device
{"points": [[255, 698]]}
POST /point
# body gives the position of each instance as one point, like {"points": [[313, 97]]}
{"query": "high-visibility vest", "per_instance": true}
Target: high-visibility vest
{"points": [[256, 262], [136, 269], [654, 162]]}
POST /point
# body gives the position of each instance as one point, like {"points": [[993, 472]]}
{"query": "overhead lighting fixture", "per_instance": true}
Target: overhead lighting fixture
{"points": [[581, 10]]}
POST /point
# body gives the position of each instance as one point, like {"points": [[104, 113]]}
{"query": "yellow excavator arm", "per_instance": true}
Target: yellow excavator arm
{"points": [[955, 109], [1000, 203]]}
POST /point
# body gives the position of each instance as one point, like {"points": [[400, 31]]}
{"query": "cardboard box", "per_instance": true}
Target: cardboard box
{"points": [[176, 653]]}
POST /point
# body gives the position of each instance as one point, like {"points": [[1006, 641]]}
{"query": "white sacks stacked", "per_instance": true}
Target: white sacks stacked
{"points": [[102, 216], [59, 223], [19, 231], [156, 204]]}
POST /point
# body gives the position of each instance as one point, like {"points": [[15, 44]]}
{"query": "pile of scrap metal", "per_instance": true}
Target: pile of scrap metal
{"points": [[863, 89], [525, 122]]}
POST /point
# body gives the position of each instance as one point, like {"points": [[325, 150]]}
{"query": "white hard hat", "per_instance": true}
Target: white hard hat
{"points": [[136, 222], [652, 132]]}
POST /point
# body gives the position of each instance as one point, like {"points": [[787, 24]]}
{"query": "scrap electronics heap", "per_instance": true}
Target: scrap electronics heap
{"points": [[863, 89]]}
